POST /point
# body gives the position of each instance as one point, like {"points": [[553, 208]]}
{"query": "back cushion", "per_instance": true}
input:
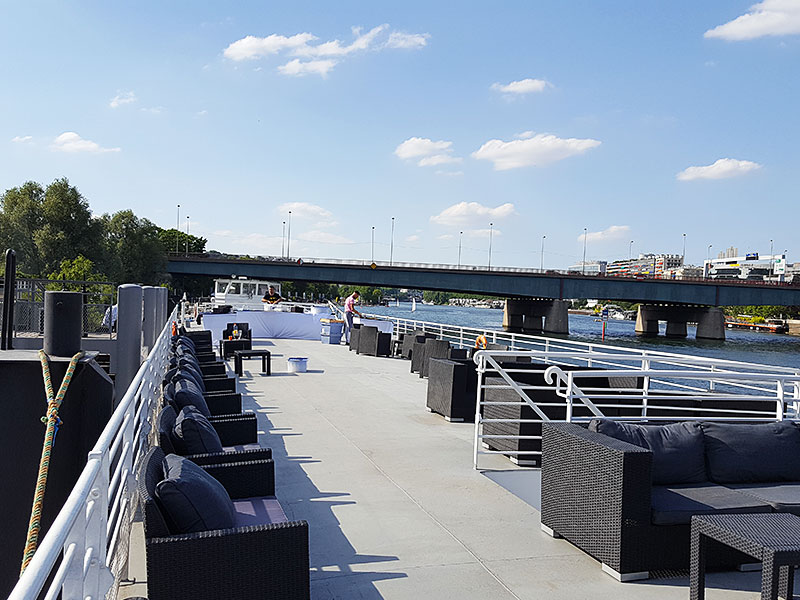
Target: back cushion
{"points": [[678, 448], [185, 373], [187, 393], [752, 453], [194, 434], [191, 500]]}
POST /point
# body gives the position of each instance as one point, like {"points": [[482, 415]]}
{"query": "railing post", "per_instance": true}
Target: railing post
{"points": [[645, 386], [570, 383], [98, 577], [76, 538], [781, 390], [480, 370]]}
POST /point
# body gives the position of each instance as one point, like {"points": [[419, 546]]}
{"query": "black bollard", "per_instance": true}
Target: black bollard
{"points": [[62, 323]]}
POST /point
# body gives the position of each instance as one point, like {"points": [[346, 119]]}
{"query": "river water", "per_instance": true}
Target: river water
{"points": [[747, 346]]}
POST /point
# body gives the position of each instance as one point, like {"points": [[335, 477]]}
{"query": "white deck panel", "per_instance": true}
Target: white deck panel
{"points": [[395, 509]]}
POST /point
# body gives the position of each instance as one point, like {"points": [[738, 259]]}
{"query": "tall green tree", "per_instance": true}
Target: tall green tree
{"points": [[172, 239], [134, 252], [20, 218]]}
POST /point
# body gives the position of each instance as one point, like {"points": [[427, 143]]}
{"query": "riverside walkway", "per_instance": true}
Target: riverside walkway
{"points": [[395, 509]]}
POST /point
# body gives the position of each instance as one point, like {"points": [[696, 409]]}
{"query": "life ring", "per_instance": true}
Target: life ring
{"points": [[480, 342]]}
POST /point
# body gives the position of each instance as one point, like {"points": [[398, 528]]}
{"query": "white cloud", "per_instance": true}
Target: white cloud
{"points": [[482, 233], [251, 47], [201, 113], [153, 110], [450, 173], [724, 168], [335, 47], [439, 159], [305, 210], [471, 213], [767, 18], [324, 237], [525, 135], [122, 98], [537, 151], [523, 86], [445, 236], [414, 147], [69, 141], [413, 238], [615, 232], [326, 55], [298, 68], [21, 139], [407, 40]]}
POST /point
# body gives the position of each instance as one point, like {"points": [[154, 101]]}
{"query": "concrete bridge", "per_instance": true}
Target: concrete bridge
{"points": [[540, 295]]}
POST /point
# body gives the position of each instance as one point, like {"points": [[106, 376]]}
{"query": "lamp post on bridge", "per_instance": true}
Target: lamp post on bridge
{"points": [[683, 256], [630, 250], [178, 229], [391, 245], [583, 263], [491, 230], [289, 235], [372, 258], [460, 235], [707, 269], [541, 255], [283, 240], [187, 235], [771, 259]]}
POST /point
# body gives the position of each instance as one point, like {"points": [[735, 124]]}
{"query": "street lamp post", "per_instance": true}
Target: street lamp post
{"points": [[391, 245], [583, 264], [630, 250], [289, 235], [460, 234], [372, 259], [187, 235], [283, 240], [491, 230], [707, 269], [177, 229], [541, 255], [771, 259]]}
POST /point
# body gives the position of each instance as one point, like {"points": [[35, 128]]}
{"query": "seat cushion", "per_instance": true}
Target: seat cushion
{"points": [[678, 448], [675, 504], [188, 394], [258, 511], [191, 500], [761, 453], [193, 434], [241, 448], [782, 497]]}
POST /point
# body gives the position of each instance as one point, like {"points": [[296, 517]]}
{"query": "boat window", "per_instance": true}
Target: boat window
{"points": [[234, 288], [262, 289], [221, 285], [249, 288]]}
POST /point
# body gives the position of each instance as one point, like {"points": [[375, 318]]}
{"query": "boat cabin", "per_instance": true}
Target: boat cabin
{"points": [[242, 292]]}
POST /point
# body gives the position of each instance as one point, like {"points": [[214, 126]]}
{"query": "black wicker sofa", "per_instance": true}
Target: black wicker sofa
{"points": [[625, 493], [223, 536]]}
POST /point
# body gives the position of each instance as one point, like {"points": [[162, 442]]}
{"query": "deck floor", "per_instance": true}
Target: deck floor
{"points": [[395, 508]]}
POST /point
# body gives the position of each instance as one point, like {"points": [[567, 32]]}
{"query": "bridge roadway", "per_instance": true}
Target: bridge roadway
{"points": [[501, 282]]}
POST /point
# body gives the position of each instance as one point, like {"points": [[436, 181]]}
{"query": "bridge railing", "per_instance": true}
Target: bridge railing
{"points": [[86, 546]]}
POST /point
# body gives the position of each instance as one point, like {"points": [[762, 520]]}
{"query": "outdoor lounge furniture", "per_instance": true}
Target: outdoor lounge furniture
{"points": [[372, 342], [452, 388], [630, 504], [262, 555], [354, 333], [408, 342], [772, 539], [239, 444], [418, 351], [228, 347], [434, 349], [243, 331], [266, 360]]}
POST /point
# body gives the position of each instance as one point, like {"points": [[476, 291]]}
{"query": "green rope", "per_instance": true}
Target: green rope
{"points": [[52, 421]]}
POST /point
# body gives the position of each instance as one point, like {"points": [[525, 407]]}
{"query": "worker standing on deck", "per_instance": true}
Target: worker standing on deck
{"points": [[271, 297], [349, 311]]}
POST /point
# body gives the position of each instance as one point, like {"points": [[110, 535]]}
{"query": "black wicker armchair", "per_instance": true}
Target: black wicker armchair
{"points": [[372, 342], [263, 556]]}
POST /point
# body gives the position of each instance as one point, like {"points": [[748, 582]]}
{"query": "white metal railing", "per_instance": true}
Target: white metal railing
{"points": [[642, 384], [91, 530], [649, 387]]}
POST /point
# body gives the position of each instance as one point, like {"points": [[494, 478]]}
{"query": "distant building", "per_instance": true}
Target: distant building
{"points": [[684, 272], [729, 253], [750, 267], [590, 267], [646, 265]]}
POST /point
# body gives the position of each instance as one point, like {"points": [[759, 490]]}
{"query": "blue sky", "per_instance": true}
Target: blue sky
{"points": [[636, 120]]}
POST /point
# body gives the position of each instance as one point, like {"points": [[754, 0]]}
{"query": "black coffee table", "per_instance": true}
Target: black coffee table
{"points": [[266, 360], [772, 538]]}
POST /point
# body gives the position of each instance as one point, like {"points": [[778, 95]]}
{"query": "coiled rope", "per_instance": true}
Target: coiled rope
{"points": [[52, 422]]}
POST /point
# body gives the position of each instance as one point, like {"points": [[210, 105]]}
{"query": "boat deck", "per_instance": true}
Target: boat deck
{"points": [[395, 509]]}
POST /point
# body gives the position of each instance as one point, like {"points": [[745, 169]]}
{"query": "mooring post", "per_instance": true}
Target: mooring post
{"points": [[129, 336], [149, 319]]}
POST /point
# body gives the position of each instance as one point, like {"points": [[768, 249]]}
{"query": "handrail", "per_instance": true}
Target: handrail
{"points": [[80, 528]]}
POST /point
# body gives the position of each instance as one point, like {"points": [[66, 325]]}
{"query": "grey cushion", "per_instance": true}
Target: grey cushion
{"points": [[188, 394], [258, 511], [783, 497], [678, 449], [191, 500], [675, 504], [762, 453], [193, 434]]}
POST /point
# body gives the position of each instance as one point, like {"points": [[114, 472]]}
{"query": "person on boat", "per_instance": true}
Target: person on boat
{"points": [[349, 313], [271, 297]]}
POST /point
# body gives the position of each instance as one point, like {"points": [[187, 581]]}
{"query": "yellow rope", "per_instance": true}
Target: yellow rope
{"points": [[52, 421]]}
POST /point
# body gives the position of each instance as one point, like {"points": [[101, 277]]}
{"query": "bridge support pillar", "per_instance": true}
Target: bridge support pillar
{"points": [[711, 324], [710, 321], [536, 316]]}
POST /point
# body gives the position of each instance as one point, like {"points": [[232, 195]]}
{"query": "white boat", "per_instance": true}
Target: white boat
{"points": [[241, 293]]}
